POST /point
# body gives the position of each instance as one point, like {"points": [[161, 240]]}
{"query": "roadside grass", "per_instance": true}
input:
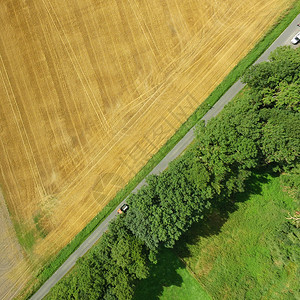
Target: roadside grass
{"points": [[169, 279], [249, 254], [55, 262]]}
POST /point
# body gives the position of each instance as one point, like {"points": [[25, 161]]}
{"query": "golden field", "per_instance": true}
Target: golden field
{"points": [[90, 90]]}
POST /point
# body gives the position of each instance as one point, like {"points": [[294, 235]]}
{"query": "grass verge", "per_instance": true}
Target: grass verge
{"points": [[251, 255], [233, 76], [169, 279]]}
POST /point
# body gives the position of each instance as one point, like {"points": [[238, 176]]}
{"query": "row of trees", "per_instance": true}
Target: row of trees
{"points": [[262, 127], [250, 133], [110, 269]]}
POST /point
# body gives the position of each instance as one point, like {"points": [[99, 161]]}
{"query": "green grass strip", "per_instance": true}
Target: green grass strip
{"points": [[46, 272]]}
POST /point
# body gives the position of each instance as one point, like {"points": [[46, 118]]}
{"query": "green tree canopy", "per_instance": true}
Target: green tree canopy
{"points": [[280, 140], [265, 78], [110, 270], [167, 205]]}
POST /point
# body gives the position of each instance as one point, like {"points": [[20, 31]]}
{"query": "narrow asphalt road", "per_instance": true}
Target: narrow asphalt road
{"points": [[283, 39]]}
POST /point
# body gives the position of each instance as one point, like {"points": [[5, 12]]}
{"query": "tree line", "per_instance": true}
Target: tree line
{"points": [[260, 128]]}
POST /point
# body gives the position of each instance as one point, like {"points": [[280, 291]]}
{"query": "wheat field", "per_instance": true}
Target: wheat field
{"points": [[91, 89]]}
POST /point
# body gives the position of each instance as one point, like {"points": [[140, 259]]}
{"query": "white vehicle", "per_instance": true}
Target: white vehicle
{"points": [[296, 39]]}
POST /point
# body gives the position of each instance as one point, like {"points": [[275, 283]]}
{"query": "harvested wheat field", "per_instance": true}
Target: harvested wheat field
{"points": [[91, 89], [14, 269]]}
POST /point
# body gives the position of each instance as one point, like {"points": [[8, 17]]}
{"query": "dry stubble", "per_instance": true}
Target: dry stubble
{"points": [[91, 89]]}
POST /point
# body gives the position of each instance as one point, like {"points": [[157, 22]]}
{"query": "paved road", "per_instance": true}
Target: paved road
{"points": [[283, 39]]}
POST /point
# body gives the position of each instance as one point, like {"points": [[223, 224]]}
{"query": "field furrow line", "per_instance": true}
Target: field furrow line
{"points": [[83, 80]]}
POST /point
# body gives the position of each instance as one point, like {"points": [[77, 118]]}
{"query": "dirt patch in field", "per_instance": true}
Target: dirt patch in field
{"points": [[92, 89], [14, 271]]}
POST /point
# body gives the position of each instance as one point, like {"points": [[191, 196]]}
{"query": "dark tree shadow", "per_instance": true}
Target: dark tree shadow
{"points": [[212, 223], [163, 274]]}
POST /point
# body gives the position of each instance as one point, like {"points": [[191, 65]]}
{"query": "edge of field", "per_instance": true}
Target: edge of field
{"points": [[52, 265]]}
